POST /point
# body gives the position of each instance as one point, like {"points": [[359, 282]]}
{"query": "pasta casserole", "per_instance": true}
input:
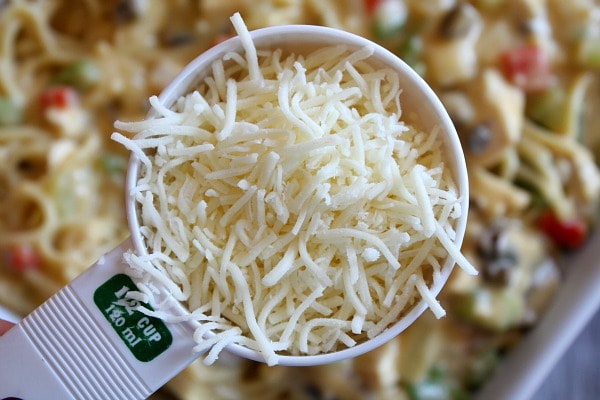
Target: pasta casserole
{"points": [[520, 79]]}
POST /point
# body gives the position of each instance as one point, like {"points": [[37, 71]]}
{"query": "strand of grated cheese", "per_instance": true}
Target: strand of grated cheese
{"points": [[288, 205]]}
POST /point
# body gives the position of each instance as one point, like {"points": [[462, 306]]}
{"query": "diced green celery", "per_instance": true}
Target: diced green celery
{"points": [[560, 108], [437, 373], [437, 386], [113, 163], [496, 309], [459, 394], [547, 107], [10, 113], [538, 201], [81, 74], [589, 52], [383, 32], [482, 367], [411, 52]]}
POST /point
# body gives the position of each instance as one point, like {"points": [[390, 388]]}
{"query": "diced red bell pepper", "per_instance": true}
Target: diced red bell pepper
{"points": [[58, 97], [22, 257], [568, 234], [527, 67], [371, 6]]}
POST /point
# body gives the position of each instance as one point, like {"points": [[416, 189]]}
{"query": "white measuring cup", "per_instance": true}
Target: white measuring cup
{"points": [[89, 342]]}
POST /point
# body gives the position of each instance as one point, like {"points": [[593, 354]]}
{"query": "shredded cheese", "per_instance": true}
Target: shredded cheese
{"points": [[288, 205]]}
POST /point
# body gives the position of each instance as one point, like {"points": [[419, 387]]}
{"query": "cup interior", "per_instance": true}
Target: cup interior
{"points": [[418, 100]]}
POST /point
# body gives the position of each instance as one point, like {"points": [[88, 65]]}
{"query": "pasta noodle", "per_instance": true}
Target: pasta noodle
{"points": [[68, 70]]}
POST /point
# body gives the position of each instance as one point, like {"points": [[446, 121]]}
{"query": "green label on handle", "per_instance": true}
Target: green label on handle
{"points": [[145, 336]]}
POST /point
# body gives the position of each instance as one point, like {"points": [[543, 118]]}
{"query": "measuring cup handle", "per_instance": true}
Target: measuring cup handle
{"points": [[88, 341], [24, 372]]}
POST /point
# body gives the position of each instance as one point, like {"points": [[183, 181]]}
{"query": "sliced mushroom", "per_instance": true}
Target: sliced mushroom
{"points": [[498, 257], [459, 21], [127, 11], [478, 138], [451, 56], [174, 38]]}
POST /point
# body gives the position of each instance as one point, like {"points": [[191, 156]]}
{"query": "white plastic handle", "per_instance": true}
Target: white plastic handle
{"points": [[88, 342]]}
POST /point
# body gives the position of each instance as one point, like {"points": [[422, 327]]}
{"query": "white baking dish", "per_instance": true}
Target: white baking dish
{"points": [[525, 368]]}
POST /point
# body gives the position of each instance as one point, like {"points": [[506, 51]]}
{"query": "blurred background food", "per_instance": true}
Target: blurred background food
{"points": [[520, 79]]}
